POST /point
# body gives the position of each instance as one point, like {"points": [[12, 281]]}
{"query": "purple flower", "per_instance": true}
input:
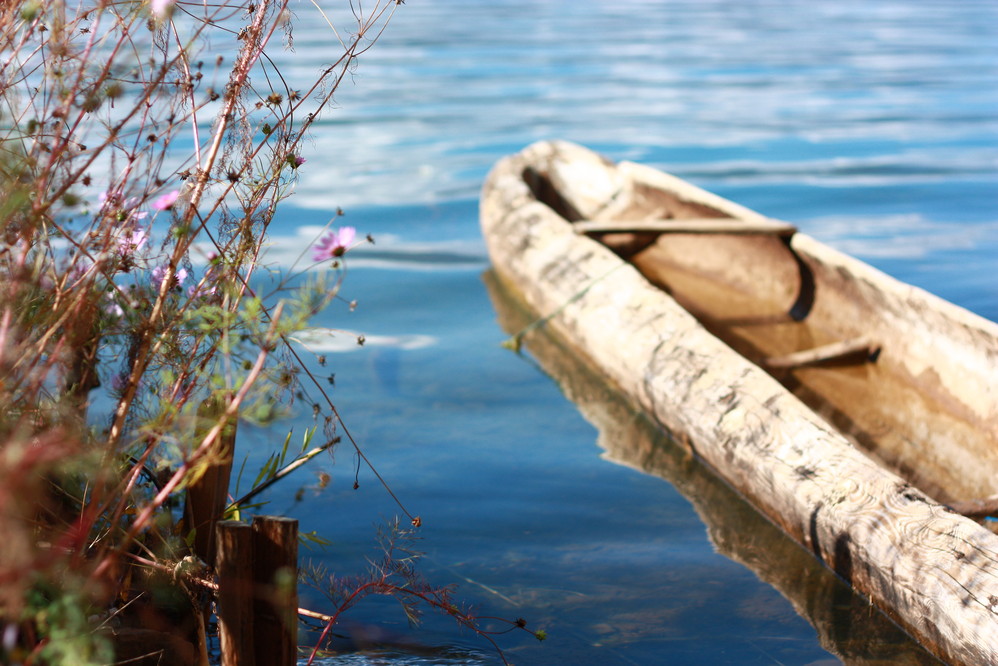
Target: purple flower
{"points": [[122, 209], [204, 292], [115, 199], [119, 382], [114, 310], [159, 273], [9, 637], [131, 241], [164, 201], [334, 244]]}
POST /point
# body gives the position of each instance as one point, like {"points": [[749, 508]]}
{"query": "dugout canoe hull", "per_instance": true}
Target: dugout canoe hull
{"points": [[851, 457], [844, 623]]}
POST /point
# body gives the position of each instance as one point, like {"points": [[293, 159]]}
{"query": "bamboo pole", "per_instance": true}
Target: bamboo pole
{"points": [[275, 573], [234, 565]]}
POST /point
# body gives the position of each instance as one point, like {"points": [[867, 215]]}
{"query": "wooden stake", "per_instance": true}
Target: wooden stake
{"points": [[234, 565], [208, 495], [275, 572]]}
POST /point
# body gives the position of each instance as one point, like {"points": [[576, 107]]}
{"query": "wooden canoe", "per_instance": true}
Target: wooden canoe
{"points": [[854, 411], [844, 623]]}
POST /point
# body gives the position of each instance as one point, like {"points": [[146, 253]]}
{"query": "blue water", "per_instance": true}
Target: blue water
{"points": [[873, 126]]}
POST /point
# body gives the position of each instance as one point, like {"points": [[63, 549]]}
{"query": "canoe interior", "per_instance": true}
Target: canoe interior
{"points": [[768, 297]]}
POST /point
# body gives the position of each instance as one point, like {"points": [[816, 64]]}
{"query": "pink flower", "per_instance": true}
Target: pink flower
{"points": [[160, 7], [334, 244], [123, 209], [204, 293], [112, 198], [131, 241], [164, 201], [159, 273], [114, 309]]}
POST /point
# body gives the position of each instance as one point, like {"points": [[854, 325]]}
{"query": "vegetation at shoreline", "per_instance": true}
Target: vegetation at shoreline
{"points": [[141, 165]]}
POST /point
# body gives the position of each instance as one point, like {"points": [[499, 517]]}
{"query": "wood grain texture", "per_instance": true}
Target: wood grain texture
{"points": [[845, 623], [689, 226], [275, 576], [934, 571], [207, 495], [860, 349], [234, 567]]}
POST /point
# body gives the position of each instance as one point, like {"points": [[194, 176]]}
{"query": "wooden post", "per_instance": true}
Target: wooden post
{"points": [[208, 495], [234, 565], [275, 573]]}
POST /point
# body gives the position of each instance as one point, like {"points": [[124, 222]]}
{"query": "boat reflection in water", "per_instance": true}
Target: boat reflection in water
{"points": [[846, 624]]}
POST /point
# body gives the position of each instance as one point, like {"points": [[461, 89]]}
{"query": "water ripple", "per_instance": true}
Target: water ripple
{"points": [[454, 85]]}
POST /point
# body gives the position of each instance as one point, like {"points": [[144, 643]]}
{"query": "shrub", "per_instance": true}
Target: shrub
{"points": [[139, 174]]}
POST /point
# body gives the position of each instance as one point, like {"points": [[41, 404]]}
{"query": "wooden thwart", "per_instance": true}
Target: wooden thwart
{"points": [[861, 349], [978, 508], [707, 225], [929, 404]]}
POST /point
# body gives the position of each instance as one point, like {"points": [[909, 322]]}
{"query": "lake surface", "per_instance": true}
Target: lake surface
{"points": [[873, 126]]}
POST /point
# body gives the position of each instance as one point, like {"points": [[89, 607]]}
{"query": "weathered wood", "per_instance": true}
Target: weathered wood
{"points": [[845, 623], [688, 226], [928, 407], [934, 571], [977, 509], [275, 573], [207, 495], [234, 566], [861, 348]]}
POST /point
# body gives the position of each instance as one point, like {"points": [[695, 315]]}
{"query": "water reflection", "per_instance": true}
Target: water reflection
{"points": [[410, 656], [846, 624], [871, 125]]}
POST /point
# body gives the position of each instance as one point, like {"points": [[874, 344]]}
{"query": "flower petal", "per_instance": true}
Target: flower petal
{"points": [[164, 201]]}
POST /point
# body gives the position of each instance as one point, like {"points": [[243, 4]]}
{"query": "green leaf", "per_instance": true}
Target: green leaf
{"points": [[313, 538], [307, 439], [284, 449], [266, 471]]}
